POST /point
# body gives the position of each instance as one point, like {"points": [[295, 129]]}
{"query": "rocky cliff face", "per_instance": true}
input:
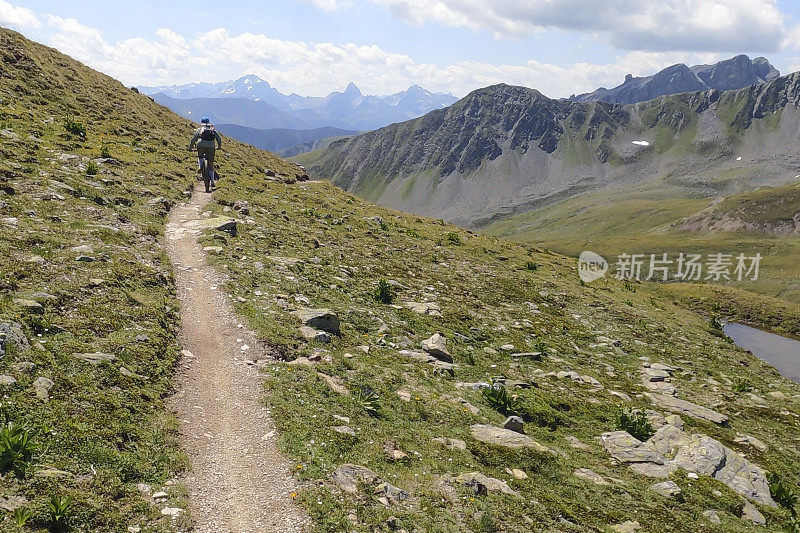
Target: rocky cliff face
{"points": [[735, 73], [503, 150]]}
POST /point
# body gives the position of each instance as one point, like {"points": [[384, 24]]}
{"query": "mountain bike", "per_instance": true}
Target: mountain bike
{"points": [[206, 172]]}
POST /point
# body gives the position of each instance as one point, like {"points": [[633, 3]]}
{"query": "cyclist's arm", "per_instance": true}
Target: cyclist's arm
{"points": [[194, 140], [219, 140]]}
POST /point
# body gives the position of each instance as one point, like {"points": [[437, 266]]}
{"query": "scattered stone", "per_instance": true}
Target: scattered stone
{"points": [[713, 516], [95, 358], [620, 395], [41, 387], [173, 512], [393, 452], [590, 475], [668, 489], [436, 347], [29, 306], [160, 495], [576, 443], [514, 423], [9, 503], [11, 334], [688, 408], [311, 334], [517, 473], [535, 356], [424, 308], [749, 512], [213, 249], [6, 380], [753, 442], [345, 430], [404, 395], [438, 365], [453, 444], [627, 449], [348, 476], [506, 438], [24, 367], [630, 526], [322, 319], [481, 484]]}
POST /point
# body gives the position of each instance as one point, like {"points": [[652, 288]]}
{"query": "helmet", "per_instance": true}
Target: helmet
{"points": [[205, 120]]}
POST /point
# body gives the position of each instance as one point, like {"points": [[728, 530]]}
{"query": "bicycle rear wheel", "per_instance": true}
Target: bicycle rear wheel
{"points": [[206, 175]]}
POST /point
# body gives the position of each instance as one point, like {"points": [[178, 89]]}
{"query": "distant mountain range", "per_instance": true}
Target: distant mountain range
{"points": [[253, 102], [285, 142], [505, 150], [735, 73]]}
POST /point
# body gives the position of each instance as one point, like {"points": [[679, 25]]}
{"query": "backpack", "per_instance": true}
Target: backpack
{"points": [[208, 133]]}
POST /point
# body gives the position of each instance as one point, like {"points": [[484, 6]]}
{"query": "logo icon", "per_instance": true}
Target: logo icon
{"points": [[591, 267]]}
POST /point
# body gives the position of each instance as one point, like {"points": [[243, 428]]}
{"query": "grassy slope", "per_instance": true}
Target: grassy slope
{"points": [[102, 431], [638, 221], [488, 297]]}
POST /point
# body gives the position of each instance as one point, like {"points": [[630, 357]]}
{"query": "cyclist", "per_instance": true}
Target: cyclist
{"points": [[207, 140]]}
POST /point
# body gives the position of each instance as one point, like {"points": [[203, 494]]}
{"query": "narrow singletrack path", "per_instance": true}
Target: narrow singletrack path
{"points": [[239, 481]]}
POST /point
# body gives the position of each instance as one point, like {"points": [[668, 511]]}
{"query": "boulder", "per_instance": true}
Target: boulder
{"points": [[435, 346], [627, 449], [683, 407], [322, 319], [713, 516], [311, 334], [481, 484], [668, 489], [11, 334], [29, 306], [514, 423], [749, 512], [6, 380], [41, 387], [506, 438], [348, 476]]}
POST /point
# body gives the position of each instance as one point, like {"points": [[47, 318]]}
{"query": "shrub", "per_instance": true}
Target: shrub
{"points": [[715, 323], [75, 128], [742, 385], [21, 516], [793, 525], [635, 423], [532, 266], [368, 401], [782, 493], [60, 509], [384, 293], [91, 168], [453, 238], [105, 153], [497, 396], [18, 448]]}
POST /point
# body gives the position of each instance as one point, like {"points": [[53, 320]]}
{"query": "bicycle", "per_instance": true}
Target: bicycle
{"points": [[206, 173]]}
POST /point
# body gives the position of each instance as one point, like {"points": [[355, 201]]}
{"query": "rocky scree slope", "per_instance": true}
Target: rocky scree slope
{"points": [[438, 380], [88, 315], [734, 73], [503, 150]]}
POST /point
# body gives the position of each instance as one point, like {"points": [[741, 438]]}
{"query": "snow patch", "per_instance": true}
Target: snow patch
{"points": [[641, 143], [739, 158]]}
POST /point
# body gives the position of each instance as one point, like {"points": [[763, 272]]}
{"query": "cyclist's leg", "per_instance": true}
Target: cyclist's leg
{"points": [[210, 152]]}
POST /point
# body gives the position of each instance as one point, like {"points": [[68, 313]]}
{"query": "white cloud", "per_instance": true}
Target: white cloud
{"points": [[17, 17], [330, 5], [318, 68], [662, 25]]}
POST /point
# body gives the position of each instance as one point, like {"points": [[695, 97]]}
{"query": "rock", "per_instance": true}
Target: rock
{"points": [[9, 503], [173, 512], [506, 438], [393, 494], [626, 449], [242, 206], [668, 489], [214, 250], [6, 380], [83, 249], [24, 367], [41, 387], [29, 306], [84, 258], [95, 358], [749, 512], [11, 334], [161, 495], [508, 347], [440, 366], [311, 334], [589, 475], [404, 395], [436, 347], [576, 443], [747, 440], [514, 423], [713, 516], [631, 526], [424, 308], [481, 484], [322, 319], [683, 407], [393, 452], [348, 476], [344, 430], [517, 473], [453, 444], [534, 356]]}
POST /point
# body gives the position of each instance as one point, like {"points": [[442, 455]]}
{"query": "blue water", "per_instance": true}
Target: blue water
{"points": [[781, 352]]}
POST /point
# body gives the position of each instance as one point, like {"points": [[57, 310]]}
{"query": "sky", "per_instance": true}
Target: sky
{"points": [[313, 47]]}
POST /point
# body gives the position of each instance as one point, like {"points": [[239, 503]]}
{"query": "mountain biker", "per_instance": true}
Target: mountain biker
{"points": [[207, 140]]}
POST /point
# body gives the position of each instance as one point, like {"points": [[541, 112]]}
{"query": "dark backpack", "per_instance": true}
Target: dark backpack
{"points": [[208, 133]]}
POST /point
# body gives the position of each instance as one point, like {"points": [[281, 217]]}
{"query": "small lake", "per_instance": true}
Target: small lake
{"points": [[781, 352]]}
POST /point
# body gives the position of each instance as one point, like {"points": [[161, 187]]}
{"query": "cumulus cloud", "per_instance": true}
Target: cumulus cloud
{"points": [[17, 17], [664, 25], [318, 68]]}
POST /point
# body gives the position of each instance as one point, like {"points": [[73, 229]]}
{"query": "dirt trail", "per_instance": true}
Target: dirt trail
{"points": [[239, 480]]}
